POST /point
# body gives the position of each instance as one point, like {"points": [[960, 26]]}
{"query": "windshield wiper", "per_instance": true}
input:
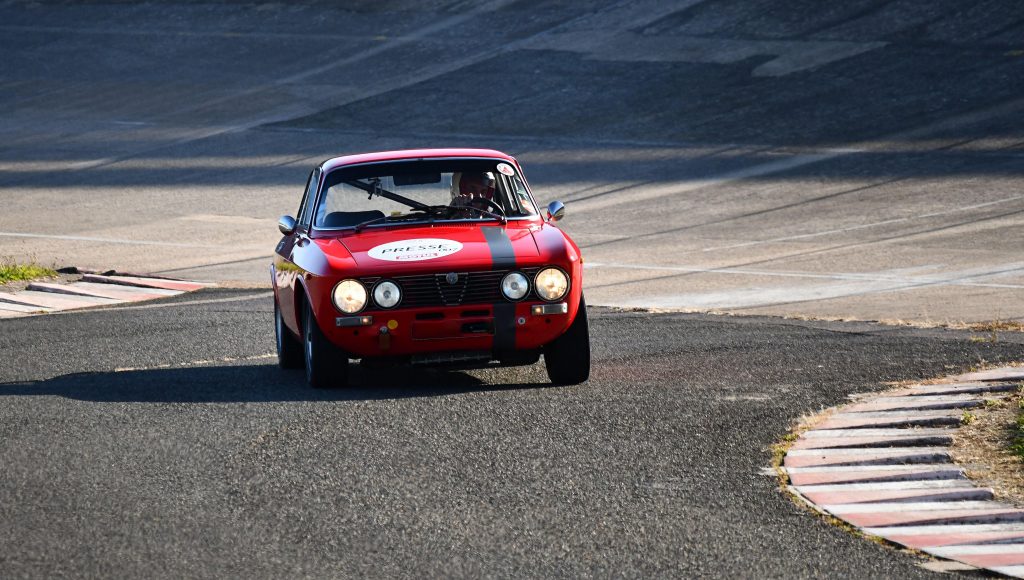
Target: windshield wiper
{"points": [[498, 217], [360, 226]]}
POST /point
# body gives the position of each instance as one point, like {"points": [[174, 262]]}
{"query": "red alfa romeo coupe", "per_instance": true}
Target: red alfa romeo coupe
{"points": [[434, 257]]}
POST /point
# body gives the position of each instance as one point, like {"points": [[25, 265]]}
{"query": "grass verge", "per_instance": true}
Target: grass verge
{"points": [[1017, 445], [11, 271], [991, 446]]}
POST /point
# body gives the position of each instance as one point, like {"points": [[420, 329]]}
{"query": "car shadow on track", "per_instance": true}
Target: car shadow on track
{"points": [[253, 383]]}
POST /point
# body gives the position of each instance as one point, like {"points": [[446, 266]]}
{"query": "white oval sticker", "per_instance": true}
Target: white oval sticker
{"points": [[414, 250], [506, 169]]}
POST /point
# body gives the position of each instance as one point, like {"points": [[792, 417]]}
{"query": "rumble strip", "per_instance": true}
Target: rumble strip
{"points": [[91, 290], [882, 465]]}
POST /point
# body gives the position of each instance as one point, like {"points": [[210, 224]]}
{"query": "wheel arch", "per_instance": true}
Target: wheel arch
{"points": [[301, 299]]}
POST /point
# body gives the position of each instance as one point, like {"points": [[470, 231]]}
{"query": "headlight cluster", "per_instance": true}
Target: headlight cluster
{"points": [[515, 285], [550, 283], [387, 294], [350, 296]]}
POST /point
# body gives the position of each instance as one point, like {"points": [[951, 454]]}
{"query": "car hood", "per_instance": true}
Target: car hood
{"points": [[390, 251]]}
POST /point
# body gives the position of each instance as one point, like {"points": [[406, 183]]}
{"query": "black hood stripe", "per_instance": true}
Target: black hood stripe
{"points": [[503, 257]]}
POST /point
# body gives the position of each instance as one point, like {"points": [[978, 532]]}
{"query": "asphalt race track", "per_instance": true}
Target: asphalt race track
{"points": [[856, 160], [214, 469]]}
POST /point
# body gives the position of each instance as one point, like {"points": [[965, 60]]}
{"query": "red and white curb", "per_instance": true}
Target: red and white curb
{"points": [[882, 464], [91, 290]]}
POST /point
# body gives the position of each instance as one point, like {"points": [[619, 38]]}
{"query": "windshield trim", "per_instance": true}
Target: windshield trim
{"points": [[432, 222], [324, 174]]}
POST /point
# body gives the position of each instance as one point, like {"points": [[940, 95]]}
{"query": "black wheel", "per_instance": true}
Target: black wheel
{"points": [[326, 364], [568, 357], [289, 349]]}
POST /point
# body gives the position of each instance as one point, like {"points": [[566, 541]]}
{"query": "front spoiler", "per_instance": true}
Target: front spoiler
{"points": [[455, 359]]}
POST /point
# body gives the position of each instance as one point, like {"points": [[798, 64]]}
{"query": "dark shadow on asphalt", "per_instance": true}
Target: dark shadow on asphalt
{"points": [[252, 384]]}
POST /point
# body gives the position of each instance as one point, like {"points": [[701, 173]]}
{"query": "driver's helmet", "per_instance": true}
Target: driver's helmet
{"points": [[473, 184]]}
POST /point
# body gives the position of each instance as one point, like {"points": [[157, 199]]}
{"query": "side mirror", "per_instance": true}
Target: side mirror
{"points": [[286, 224], [556, 211]]}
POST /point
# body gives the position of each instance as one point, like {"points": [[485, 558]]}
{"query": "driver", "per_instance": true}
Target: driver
{"points": [[473, 190]]}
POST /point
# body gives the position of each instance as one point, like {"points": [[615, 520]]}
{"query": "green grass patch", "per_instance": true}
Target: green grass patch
{"points": [[14, 272]]}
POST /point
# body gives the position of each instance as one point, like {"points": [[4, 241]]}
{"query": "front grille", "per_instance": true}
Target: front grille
{"points": [[430, 290]]}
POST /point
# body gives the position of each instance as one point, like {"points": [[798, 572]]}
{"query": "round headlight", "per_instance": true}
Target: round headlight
{"points": [[386, 294], [551, 283], [514, 286], [349, 296]]}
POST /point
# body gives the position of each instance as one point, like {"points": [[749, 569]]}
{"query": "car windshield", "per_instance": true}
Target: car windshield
{"points": [[422, 190]]}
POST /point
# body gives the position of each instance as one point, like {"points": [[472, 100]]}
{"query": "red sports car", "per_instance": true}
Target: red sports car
{"points": [[427, 257]]}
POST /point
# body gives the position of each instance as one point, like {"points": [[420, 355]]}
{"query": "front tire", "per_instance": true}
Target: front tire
{"points": [[567, 358], [289, 349], [326, 364]]}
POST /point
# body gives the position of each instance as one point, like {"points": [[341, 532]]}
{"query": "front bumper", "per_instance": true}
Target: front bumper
{"points": [[501, 329]]}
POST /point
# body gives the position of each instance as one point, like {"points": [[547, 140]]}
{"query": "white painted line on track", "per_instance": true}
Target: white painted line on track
{"points": [[865, 226], [952, 279], [22, 308], [197, 363], [984, 389], [103, 240], [949, 551], [943, 529], [260, 296], [917, 468], [760, 170], [147, 32], [933, 414], [896, 433], [826, 444], [889, 485], [97, 289], [926, 399], [54, 300], [1001, 374], [874, 451], [204, 163], [922, 406], [867, 508]]}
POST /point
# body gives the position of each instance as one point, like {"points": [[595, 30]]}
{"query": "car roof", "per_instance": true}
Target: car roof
{"points": [[336, 162]]}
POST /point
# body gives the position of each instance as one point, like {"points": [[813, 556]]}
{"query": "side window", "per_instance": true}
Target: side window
{"points": [[309, 198], [305, 193], [522, 196]]}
